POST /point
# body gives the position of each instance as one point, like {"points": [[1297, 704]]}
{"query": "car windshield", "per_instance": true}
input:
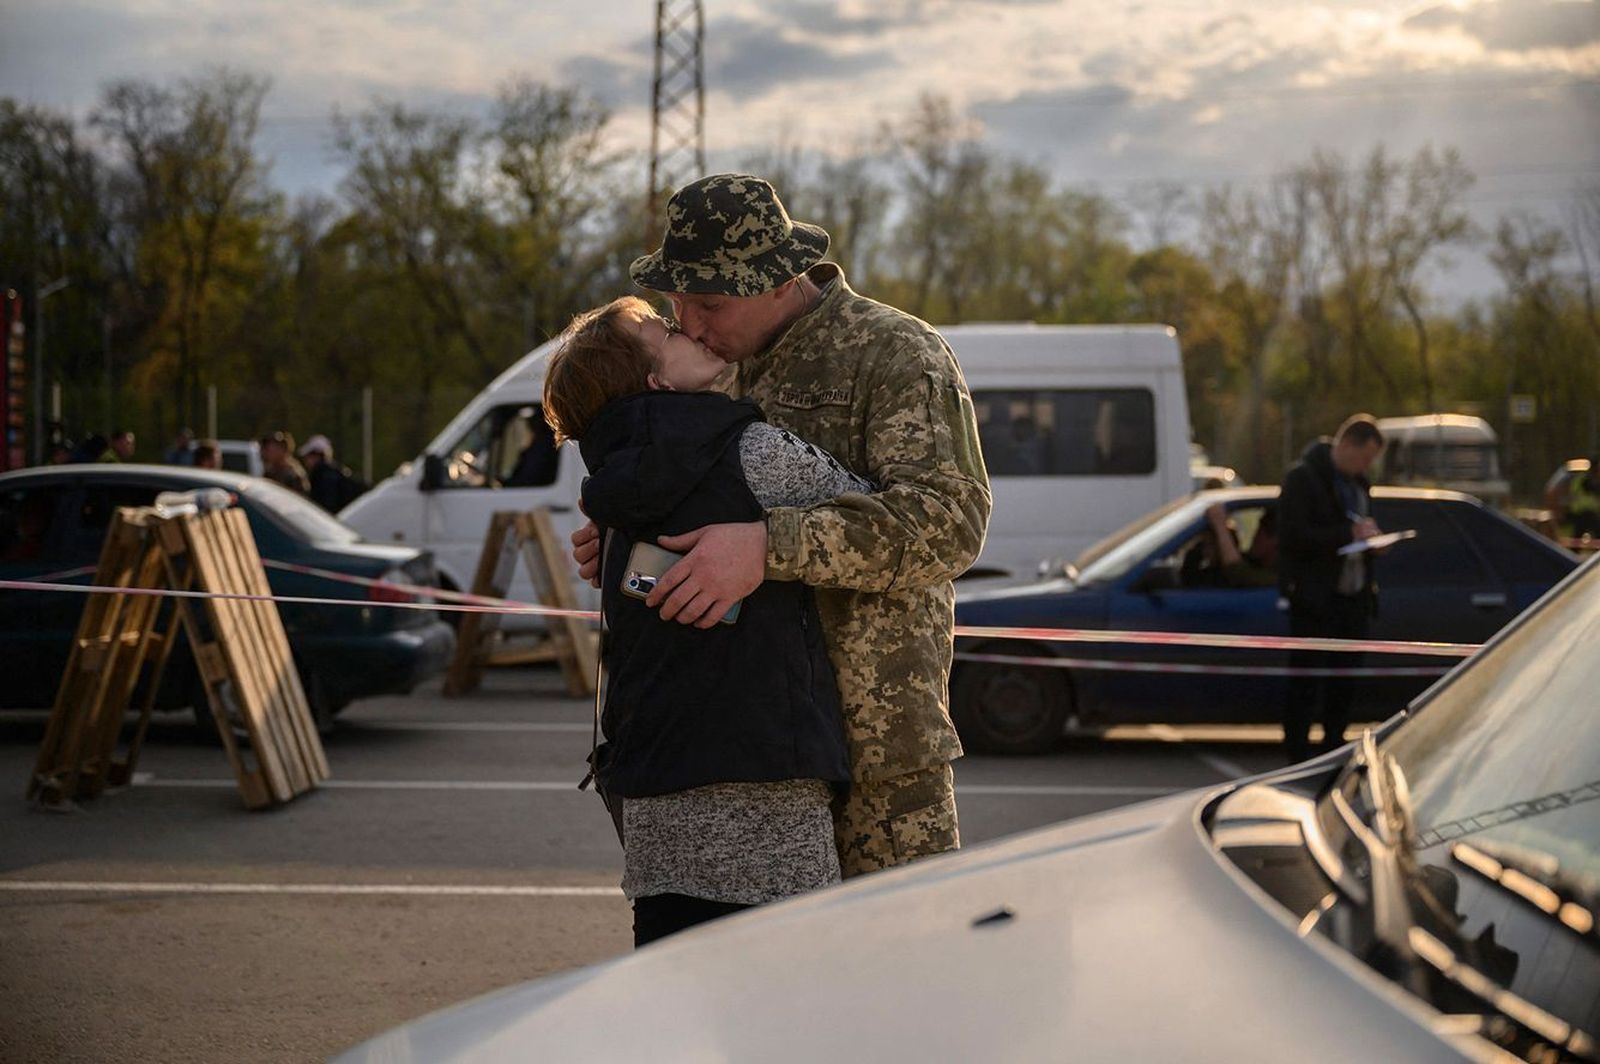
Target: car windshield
{"points": [[1125, 548], [1508, 753], [299, 514]]}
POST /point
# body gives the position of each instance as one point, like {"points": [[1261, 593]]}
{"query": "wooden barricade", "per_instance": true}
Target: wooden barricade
{"points": [[571, 641], [125, 641]]}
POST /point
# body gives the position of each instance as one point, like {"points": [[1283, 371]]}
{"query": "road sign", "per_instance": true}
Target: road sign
{"points": [[1524, 409]]}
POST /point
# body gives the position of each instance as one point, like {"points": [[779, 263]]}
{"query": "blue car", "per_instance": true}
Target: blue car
{"points": [[54, 518], [1468, 571]]}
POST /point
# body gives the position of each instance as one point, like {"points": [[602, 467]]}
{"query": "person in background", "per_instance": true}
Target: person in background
{"points": [[279, 463], [333, 486], [182, 450], [120, 448], [1325, 504], [1580, 512], [1256, 567], [90, 449], [206, 455]]}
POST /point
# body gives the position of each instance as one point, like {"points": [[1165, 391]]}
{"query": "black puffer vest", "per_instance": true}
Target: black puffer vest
{"points": [[754, 701]]}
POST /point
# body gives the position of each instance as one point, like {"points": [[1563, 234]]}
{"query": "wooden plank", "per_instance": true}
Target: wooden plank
{"points": [[210, 660], [128, 650], [496, 563], [248, 661], [302, 724], [547, 565], [75, 734]]}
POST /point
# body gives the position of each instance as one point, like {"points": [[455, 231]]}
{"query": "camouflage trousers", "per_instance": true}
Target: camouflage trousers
{"points": [[889, 822]]}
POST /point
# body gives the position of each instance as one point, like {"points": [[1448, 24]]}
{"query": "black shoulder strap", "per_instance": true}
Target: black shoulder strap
{"points": [[599, 667]]}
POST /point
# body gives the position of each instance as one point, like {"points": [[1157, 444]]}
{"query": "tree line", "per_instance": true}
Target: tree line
{"points": [[454, 244]]}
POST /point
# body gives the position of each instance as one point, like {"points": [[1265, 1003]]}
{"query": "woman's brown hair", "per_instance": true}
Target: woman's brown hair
{"points": [[600, 357]]}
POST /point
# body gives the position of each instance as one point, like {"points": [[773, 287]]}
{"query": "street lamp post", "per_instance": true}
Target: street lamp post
{"points": [[44, 292]]}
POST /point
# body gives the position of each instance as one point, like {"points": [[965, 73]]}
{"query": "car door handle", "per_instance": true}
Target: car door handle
{"points": [[1488, 600]]}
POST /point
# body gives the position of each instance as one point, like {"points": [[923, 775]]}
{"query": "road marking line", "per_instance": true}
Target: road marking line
{"points": [[410, 889], [473, 726], [962, 789], [1228, 770]]}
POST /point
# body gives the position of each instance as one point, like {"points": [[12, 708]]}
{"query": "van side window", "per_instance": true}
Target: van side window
{"points": [[1067, 432], [509, 447]]}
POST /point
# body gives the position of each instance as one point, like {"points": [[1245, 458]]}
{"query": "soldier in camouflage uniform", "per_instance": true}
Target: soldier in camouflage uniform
{"points": [[880, 390]]}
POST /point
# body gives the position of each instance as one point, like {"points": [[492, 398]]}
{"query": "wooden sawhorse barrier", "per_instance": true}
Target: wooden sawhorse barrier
{"points": [[124, 642], [571, 641]]}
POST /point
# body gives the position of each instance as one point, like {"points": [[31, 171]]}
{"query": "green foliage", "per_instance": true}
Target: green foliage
{"points": [[456, 244]]}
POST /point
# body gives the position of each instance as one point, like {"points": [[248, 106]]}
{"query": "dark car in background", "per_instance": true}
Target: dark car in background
{"points": [[1468, 572], [55, 518]]}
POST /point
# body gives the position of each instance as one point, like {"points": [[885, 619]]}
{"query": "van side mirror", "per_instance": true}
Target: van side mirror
{"points": [[432, 472]]}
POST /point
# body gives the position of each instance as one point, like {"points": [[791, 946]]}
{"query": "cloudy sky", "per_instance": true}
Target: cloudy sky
{"points": [[1119, 94]]}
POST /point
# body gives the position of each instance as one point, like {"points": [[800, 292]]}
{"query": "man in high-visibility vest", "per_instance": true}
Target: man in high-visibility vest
{"points": [[1583, 500]]}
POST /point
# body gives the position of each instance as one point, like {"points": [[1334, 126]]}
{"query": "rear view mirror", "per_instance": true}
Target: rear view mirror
{"points": [[432, 472]]}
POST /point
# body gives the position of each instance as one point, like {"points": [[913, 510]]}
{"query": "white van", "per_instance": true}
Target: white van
{"points": [[1452, 451], [1084, 428]]}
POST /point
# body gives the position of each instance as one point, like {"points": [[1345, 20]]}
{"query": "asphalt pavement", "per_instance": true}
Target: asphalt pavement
{"points": [[449, 855]]}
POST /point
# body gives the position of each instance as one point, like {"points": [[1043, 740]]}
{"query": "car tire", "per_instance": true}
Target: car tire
{"points": [[323, 708], [1002, 708]]}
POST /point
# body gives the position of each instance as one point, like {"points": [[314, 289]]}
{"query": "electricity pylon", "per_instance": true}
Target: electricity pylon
{"points": [[677, 105]]}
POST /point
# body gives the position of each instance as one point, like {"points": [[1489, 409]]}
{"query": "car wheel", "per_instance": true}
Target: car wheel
{"points": [[323, 708], [1001, 708]]}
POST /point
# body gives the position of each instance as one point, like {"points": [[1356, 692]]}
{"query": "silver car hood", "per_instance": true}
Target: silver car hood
{"points": [[1127, 938]]}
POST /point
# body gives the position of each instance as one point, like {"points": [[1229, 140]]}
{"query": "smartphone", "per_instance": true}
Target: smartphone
{"points": [[648, 563]]}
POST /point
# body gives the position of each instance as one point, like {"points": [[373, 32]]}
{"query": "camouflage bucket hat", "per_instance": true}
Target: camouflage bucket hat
{"points": [[729, 235]]}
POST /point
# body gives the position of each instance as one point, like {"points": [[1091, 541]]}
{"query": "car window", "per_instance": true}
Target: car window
{"points": [[510, 446], [1114, 556], [83, 540], [1440, 555], [1517, 554], [29, 520], [1067, 432], [1197, 562]]}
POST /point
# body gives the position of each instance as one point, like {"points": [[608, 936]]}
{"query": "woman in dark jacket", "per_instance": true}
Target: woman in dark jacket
{"points": [[726, 743]]}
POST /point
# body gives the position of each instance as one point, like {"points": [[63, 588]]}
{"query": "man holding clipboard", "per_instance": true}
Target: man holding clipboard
{"points": [[1325, 570]]}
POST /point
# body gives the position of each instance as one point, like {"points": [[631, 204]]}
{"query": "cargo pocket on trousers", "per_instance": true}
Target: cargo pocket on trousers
{"points": [[925, 831]]}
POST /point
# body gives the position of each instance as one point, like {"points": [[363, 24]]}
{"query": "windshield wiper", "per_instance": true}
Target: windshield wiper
{"points": [[1420, 955], [1537, 878]]}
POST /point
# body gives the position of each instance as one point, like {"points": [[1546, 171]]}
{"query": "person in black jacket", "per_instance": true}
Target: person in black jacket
{"points": [[1325, 504], [726, 744]]}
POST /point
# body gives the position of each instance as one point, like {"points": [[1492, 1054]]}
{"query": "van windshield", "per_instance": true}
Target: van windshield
{"points": [[1452, 461]]}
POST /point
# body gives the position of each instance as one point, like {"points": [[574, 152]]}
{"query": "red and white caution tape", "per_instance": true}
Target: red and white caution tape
{"points": [[465, 603], [65, 574], [1200, 670], [1242, 642], [420, 590], [299, 600]]}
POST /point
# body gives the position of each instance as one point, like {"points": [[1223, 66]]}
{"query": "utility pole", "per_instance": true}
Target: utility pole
{"points": [[677, 106], [44, 292]]}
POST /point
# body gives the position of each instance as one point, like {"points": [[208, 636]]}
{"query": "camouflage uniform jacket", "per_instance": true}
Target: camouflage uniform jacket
{"points": [[881, 391]]}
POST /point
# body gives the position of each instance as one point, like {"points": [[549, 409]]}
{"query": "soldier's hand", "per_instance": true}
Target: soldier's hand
{"points": [[721, 565], [586, 552]]}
